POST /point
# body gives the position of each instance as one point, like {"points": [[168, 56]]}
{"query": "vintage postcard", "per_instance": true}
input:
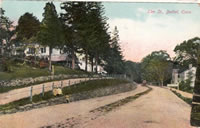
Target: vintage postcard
{"points": [[100, 64]]}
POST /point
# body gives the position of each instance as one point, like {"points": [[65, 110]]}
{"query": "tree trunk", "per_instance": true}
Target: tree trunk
{"points": [[195, 118], [162, 83], [96, 63], [92, 65], [73, 59], [2, 51], [86, 61], [50, 66], [35, 56]]}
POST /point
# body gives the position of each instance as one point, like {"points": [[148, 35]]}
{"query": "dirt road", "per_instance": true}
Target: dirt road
{"points": [[17, 94], [160, 108]]}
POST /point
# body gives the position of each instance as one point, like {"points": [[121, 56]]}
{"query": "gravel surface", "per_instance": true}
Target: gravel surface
{"points": [[160, 108]]}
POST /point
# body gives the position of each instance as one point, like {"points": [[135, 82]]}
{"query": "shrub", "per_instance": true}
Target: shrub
{"points": [[185, 86], [6, 65]]}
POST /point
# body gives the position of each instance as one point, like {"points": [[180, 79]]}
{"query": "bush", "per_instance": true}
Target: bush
{"points": [[6, 65], [185, 86]]}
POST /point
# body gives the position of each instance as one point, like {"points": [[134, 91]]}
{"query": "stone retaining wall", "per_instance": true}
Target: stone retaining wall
{"points": [[75, 97], [28, 81]]}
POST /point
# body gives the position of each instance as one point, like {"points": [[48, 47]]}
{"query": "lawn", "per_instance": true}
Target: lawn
{"points": [[25, 71], [77, 88]]}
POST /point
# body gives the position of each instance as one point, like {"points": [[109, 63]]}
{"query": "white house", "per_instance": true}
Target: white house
{"points": [[183, 76], [59, 55], [82, 64], [43, 52]]}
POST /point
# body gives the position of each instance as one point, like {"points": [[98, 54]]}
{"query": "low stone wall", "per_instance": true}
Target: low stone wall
{"points": [[103, 92], [75, 97], [28, 81]]}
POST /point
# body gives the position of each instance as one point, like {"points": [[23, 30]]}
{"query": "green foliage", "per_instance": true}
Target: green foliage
{"points": [[186, 52], [85, 29], [185, 86], [27, 28], [114, 59], [6, 34], [133, 71], [195, 114], [187, 100], [24, 71], [6, 65], [157, 67], [51, 30]]}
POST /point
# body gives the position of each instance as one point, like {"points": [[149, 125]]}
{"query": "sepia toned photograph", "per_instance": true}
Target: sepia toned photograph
{"points": [[70, 64]]}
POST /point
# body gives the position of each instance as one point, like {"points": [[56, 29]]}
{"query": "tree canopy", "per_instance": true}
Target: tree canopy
{"points": [[51, 30], [27, 28], [186, 52], [7, 32], [157, 67], [114, 58]]}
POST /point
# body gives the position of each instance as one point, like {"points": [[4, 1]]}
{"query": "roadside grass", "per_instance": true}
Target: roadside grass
{"points": [[69, 90], [114, 105], [25, 71], [187, 100]]}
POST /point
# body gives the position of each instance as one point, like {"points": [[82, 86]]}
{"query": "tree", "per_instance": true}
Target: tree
{"points": [[7, 31], [98, 38], [157, 67], [51, 29], [133, 71], [85, 28], [186, 52], [195, 119], [114, 60], [27, 28], [71, 19]]}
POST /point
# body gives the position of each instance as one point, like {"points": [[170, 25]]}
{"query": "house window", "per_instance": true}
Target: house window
{"points": [[31, 51], [43, 50]]}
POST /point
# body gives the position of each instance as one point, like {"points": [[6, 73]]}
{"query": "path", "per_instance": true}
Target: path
{"points": [[17, 94], [160, 108]]}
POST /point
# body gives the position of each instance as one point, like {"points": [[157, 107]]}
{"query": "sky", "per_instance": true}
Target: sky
{"points": [[143, 27]]}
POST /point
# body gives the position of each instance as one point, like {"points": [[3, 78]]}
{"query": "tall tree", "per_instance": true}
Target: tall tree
{"points": [[186, 52], [157, 67], [86, 29], [27, 28], [133, 71], [101, 37], [71, 19], [7, 31], [114, 60], [51, 29], [195, 118]]}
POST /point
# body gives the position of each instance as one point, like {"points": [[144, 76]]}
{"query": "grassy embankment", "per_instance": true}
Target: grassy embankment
{"points": [[25, 71], [78, 88], [187, 100]]}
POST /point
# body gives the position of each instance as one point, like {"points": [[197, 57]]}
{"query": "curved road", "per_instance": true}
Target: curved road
{"points": [[20, 93], [160, 108]]}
